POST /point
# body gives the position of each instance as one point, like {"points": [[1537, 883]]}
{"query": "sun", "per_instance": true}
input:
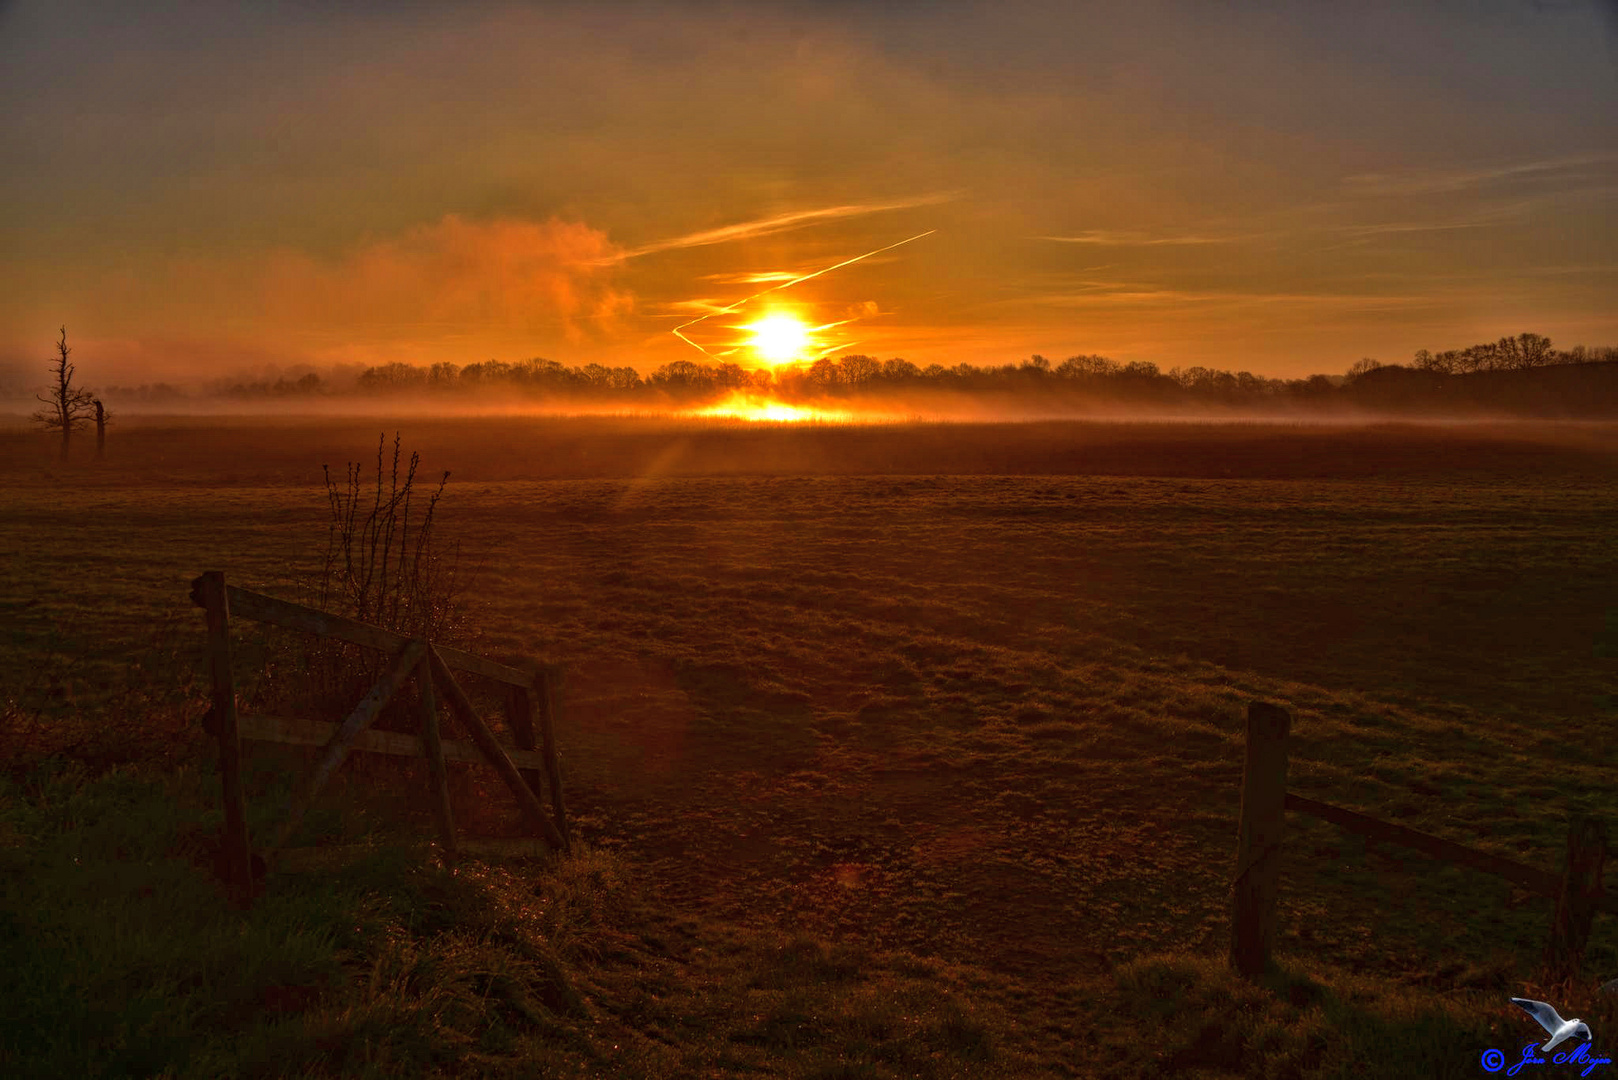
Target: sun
{"points": [[778, 338]]}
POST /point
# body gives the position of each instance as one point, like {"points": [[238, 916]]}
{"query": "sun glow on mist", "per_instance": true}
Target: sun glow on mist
{"points": [[756, 408], [768, 410]]}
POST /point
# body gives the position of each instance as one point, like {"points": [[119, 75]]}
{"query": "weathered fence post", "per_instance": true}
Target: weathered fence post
{"points": [[432, 745], [1258, 846], [547, 686], [520, 719], [236, 853], [1581, 895]]}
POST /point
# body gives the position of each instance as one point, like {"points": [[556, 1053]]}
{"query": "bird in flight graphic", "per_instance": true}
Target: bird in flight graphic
{"points": [[1551, 1021]]}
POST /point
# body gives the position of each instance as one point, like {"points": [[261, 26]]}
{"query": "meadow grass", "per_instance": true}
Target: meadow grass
{"points": [[878, 774], [125, 960]]}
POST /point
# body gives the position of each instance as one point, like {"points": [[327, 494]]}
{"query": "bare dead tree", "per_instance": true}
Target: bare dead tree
{"points": [[68, 407]]}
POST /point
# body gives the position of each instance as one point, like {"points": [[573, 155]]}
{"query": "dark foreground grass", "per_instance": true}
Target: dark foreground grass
{"points": [[124, 959]]}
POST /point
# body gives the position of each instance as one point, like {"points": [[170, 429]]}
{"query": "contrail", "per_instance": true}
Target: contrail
{"points": [[787, 285], [780, 223], [833, 348]]}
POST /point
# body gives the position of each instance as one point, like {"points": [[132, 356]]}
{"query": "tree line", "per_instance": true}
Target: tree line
{"points": [[1077, 378], [1513, 373]]}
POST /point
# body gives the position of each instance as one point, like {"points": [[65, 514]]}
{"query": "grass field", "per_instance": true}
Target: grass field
{"points": [[895, 750]]}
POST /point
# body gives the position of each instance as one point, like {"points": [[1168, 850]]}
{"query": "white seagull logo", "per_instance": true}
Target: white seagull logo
{"points": [[1560, 1029]]}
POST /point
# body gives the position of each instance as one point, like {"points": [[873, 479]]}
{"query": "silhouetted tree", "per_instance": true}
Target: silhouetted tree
{"points": [[1315, 386], [823, 373], [604, 380], [684, 379], [898, 370], [395, 376], [732, 377], [1362, 366], [1478, 358], [1253, 385], [68, 407], [1524, 351], [860, 369], [1079, 367]]}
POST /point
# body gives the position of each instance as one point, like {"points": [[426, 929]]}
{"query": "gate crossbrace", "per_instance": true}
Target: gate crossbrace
{"points": [[343, 739], [475, 727]]}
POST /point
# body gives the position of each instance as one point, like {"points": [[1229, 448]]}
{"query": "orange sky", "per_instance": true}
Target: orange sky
{"points": [[195, 190]]}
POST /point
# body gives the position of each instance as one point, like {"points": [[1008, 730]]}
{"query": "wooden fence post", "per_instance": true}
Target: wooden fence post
{"points": [[547, 686], [236, 853], [432, 747], [520, 719], [1258, 846], [1581, 895]]}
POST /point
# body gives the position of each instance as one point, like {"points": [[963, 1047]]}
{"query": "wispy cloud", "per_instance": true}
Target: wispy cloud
{"points": [[1495, 274], [684, 309], [766, 277], [1574, 170], [1392, 227], [1493, 212], [795, 219], [1499, 208], [1110, 238], [1129, 294]]}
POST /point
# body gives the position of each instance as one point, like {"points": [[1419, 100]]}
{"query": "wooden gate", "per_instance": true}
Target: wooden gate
{"points": [[1578, 891], [527, 770]]}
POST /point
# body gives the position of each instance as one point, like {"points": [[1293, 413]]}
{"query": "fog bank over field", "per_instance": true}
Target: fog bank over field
{"points": [[1498, 381], [270, 450]]}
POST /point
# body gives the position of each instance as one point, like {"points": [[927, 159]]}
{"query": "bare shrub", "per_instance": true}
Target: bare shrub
{"points": [[383, 565], [372, 571]]}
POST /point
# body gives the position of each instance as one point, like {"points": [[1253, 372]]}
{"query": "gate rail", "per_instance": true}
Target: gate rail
{"points": [[526, 770]]}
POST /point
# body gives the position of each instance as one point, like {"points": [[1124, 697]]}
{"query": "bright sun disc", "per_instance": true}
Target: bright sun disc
{"points": [[779, 339]]}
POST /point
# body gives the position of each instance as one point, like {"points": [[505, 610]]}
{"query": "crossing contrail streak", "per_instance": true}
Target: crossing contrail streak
{"points": [[787, 285]]}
